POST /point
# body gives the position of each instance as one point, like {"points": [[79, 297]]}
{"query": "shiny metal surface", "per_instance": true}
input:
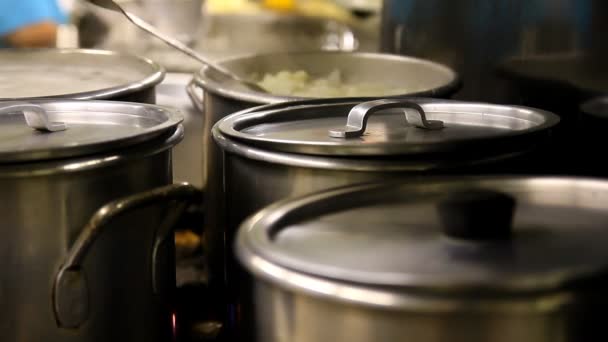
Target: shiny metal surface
{"points": [[303, 127], [93, 127], [223, 72], [330, 235], [70, 288], [476, 38], [78, 74], [356, 122], [46, 205], [221, 100], [36, 117], [187, 155], [287, 315], [424, 78], [293, 303], [253, 177]]}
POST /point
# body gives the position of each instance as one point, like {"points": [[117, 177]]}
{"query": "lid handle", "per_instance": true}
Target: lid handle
{"points": [[477, 214], [358, 116], [36, 117]]}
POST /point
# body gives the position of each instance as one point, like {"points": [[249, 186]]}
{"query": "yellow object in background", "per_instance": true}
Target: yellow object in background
{"points": [[280, 5], [313, 8]]}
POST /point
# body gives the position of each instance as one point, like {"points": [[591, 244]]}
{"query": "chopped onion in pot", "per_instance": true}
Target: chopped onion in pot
{"points": [[300, 83]]}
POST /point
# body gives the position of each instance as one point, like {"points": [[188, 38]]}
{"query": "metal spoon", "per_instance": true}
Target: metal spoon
{"points": [[112, 5]]}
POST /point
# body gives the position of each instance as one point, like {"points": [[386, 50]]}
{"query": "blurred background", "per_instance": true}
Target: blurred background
{"points": [[225, 28]]}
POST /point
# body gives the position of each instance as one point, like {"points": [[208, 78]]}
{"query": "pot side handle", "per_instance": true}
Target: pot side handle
{"points": [[359, 114], [197, 101], [70, 292]]}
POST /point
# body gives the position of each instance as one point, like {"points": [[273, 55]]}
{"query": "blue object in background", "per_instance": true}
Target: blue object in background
{"points": [[15, 14]]}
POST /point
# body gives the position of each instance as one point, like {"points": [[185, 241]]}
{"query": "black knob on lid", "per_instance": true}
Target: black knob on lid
{"points": [[477, 214]]}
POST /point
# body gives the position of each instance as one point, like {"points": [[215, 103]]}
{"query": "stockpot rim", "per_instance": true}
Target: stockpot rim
{"points": [[210, 86], [166, 135], [95, 161], [140, 122], [360, 163], [348, 164], [385, 297], [156, 76], [555, 291]]}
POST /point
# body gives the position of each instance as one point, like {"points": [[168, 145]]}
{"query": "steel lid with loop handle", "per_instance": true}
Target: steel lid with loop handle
{"points": [[488, 235], [386, 127], [51, 129]]}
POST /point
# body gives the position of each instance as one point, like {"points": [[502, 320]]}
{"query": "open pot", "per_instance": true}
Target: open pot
{"points": [[27, 74], [222, 98], [459, 259], [290, 149], [87, 215]]}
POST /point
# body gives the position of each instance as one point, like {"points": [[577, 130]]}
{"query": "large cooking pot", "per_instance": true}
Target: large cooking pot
{"points": [[223, 98], [289, 149], [474, 39], [27, 74], [86, 219], [450, 260]]}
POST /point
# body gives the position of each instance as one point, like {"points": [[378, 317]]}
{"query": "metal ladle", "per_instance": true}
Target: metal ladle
{"points": [[113, 6]]}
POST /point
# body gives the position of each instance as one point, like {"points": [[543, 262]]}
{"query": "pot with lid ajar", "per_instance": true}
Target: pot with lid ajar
{"points": [[87, 215], [284, 150], [80, 74], [454, 259]]}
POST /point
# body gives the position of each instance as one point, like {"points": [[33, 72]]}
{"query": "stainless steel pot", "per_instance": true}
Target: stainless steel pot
{"points": [[222, 99], [429, 79], [27, 74], [475, 39], [285, 150], [450, 260], [87, 214]]}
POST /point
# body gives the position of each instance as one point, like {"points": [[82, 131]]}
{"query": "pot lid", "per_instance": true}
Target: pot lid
{"points": [[73, 73], [494, 234], [40, 130], [385, 127]]}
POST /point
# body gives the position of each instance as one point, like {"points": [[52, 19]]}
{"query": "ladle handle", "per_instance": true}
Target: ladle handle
{"points": [[358, 116], [36, 116], [142, 24]]}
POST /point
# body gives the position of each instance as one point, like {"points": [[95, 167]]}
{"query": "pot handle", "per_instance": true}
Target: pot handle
{"points": [[359, 114], [196, 100], [36, 116], [70, 293]]}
